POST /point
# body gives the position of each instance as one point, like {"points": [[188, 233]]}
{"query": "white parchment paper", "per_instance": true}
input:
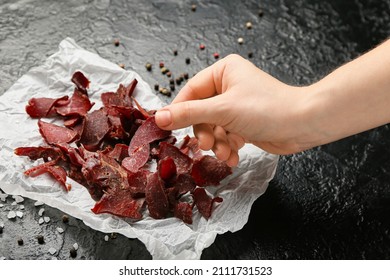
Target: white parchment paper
{"points": [[165, 239]]}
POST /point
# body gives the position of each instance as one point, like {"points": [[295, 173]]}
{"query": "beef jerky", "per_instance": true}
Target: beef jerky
{"points": [[45, 152], [121, 98], [56, 171], [166, 168], [156, 198], [95, 129], [43, 106], [120, 203], [183, 162], [54, 134], [209, 171], [183, 211], [204, 202], [81, 82], [78, 105]]}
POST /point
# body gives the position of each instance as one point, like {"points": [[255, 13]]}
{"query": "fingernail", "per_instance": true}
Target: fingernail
{"points": [[163, 118]]}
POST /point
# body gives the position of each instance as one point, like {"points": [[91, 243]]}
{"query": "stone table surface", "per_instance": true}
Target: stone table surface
{"points": [[330, 202]]}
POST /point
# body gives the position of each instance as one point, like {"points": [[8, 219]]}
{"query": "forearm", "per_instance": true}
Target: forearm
{"points": [[352, 99]]}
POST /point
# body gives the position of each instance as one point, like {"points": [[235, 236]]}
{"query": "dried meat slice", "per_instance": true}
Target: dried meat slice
{"points": [[137, 160], [166, 168], [209, 171], [183, 211], [56, 171], [78, 105], [120, 203], [137, 182], [95, 129], [81, 82], [122, 97], [204, 202], [54, 134], [183, 183], [42, 107], [156, 198], [148, 132], [45, 152], [182, 161]]}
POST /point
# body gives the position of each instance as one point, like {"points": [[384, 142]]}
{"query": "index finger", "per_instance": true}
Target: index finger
{"points": [[204, 84]]}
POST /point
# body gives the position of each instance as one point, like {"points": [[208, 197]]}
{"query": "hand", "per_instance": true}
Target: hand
{"points": [[232, 103]]}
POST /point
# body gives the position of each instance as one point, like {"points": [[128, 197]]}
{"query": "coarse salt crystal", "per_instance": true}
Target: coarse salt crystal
{"points": [[19, 214], [1, 205], [21, 207], [2, 258], [60, 230], [38, 203], [46, 219], [13, 203], [18, 198], [11, 215], [76, 246], [3, 196], [52, 251], [106, 238], [41, 221], [40, 212]]}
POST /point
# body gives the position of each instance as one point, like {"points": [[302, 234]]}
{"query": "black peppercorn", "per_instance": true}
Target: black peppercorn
{"points": [[1, 230], [40, 239], [188, 60], [175, 52], [250, 54], [116, 42], [20, 241], [171, 81], [73, 253], [148, 66], [65, 219], [193, 7], [172, 87], [260, 13], [185, 76], [178, 81], [169, 74], [156, 87]]}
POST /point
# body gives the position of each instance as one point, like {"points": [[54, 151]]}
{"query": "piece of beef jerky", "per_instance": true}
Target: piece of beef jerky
{"points": [[204, 202], [43, 106], [95, 129], [183, 211], [45, 152], [120, 203], [54, 134], [183, 162], [209, 171], [78, 105], [81, 82], [156, 198]]}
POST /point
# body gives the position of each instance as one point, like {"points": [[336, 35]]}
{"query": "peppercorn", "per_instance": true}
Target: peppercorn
{"points": [[188, 60], [121, 65], [248, 25], [65, 219], [260, 13], [166, 92], [164, 70], [156, 86], [178, 81], [172, 87], [1, 229], [113, 235], [193, 7], [171, 81], [240, 40], [202, 47], [20, 241], [185, 76], [148, 66], [175, 52], [216, 55], [40, 239], [161, 64], [250, 54], [116, 42], [73, 252], [169, 74]]}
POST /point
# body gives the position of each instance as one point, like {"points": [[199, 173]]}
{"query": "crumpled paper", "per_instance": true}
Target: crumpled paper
{"points": [[165, 239]]}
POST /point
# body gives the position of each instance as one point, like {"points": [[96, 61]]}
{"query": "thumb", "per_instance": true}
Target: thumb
{"points": [[187, 113]]}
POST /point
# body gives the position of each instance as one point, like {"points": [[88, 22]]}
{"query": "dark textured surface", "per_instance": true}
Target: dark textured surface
{"points": [[332, 202]]}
